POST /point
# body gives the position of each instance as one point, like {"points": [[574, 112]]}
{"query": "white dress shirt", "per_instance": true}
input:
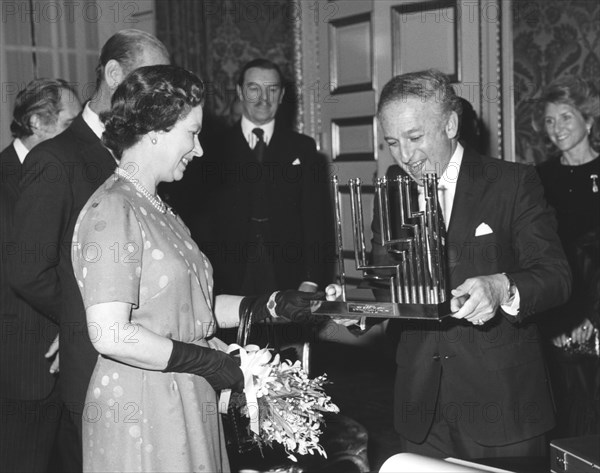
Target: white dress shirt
{"points": [[93, 120], [251, 138], [446, 185], [21, 149]]}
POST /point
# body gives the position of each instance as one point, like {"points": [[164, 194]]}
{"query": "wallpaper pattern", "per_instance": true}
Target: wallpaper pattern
{"points": [[215, 38], [551, 38]]}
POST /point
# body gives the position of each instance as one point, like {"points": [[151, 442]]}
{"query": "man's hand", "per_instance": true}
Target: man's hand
{"points": [[333, 292], [478, 299], [53, 350]]}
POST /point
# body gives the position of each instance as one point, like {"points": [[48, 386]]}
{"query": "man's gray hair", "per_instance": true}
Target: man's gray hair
{"points": [[126, 46], [426, 85]]}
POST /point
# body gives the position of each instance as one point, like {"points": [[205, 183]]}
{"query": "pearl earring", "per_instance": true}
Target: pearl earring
{"points": [[153, 141]]}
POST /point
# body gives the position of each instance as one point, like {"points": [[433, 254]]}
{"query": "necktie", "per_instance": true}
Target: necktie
{"points": [[261, 146]]}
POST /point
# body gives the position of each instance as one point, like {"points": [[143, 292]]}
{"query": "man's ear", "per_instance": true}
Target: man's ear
{"points": [[452, 126], [240, 95], [282, 94], [113, 73]]}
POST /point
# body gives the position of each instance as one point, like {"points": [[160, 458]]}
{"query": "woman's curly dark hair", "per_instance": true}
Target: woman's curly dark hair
{"points": [[151, 98], [579, 94]]}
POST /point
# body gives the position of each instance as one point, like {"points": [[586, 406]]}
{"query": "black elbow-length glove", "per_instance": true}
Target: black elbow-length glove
{"points": [[217, 367]]}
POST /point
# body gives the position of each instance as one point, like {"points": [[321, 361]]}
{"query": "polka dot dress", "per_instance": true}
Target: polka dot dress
{"points": [[138, 420]]}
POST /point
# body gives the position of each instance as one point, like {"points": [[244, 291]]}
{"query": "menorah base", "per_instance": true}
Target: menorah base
{"points": [[382, 310]]}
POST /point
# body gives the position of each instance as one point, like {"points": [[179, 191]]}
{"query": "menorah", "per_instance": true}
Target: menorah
{"points": [[415, 275]]}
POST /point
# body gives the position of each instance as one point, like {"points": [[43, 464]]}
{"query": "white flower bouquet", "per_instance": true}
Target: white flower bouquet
{"points": [[280, 401]]}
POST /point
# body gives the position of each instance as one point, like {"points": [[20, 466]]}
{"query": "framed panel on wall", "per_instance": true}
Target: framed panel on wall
{"points": [[351, 54], [426, 35], [353, 139]]}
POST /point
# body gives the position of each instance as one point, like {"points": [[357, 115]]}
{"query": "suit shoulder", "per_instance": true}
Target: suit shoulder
{"points": [[8, 153], [499, 170], [301, 144], [218, 140], [60, 149], [305, 140], [232, 130], [501, 162]]}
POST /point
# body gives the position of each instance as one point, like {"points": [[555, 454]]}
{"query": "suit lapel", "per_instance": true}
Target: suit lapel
{"points": [[272, 155], [275, 153], [467, 200], [242, 149]]}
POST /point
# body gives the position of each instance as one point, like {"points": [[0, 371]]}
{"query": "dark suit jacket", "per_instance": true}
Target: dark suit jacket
{"points": [[59, 175], [493, 376], [298, 201], [25, 335]]}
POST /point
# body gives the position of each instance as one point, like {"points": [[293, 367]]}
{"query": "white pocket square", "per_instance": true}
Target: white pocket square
{"points": [[483, 229], [296, 162]]}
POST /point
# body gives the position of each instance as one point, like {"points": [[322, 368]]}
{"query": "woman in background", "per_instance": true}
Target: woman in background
{"points": [[568, 117]]}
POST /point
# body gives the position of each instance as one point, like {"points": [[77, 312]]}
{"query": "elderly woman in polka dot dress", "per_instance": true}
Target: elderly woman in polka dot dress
{"points": [[147, 289]]}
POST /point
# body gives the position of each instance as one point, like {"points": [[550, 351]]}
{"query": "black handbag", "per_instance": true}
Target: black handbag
{"points": [[591, 348], [586, 272]]}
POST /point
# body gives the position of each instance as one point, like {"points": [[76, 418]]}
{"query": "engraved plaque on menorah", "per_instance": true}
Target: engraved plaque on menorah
{"points": [[415, 270]]}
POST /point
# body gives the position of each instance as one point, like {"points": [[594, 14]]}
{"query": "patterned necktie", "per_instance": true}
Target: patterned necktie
{"points": [[261, 146]]}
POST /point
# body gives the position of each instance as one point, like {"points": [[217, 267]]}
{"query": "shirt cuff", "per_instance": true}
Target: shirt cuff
{"points": [[513, 307]]}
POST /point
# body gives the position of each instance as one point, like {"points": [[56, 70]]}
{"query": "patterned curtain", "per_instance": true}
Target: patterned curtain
{"points": [[182, 27], [551, 38], [215, 38]]}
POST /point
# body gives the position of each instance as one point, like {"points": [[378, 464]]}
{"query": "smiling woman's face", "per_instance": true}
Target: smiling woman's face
{"points": [[565, 126], [180, 145]]}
